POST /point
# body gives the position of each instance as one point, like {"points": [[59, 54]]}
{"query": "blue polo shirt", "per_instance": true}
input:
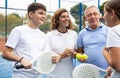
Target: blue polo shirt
{"points": [[93, 42]]}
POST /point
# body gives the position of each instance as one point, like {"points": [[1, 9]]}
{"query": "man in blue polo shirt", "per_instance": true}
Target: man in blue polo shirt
{"points": [[92, 39]]}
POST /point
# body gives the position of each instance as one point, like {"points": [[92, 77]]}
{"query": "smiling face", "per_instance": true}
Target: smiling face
{"points": [[92, 15], [37, 17], [36, 14], [61, 20], [64, 19]]}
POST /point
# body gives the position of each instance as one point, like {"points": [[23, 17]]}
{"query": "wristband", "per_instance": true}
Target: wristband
{"points": [[20, 59]]}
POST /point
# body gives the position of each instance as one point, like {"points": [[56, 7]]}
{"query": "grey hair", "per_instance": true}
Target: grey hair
{"points": [[92, 6]]}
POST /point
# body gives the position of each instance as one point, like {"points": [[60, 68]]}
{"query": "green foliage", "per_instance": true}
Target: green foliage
{"points": [[46, 26], [76, 28], [75, 12], [2, 23], [16, 15], [13, 20], [102, 8]]}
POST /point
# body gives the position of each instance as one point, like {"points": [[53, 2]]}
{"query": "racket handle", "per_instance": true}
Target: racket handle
{"points": [[19, 66]]}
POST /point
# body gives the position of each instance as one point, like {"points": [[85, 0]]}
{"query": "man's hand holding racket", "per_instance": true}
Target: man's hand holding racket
{"points": [[41, 63], [26, 64], [23, 63]]}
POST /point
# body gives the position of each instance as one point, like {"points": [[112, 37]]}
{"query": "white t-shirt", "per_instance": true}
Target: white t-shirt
{"points": [[26, 42], [113, 40], [58, 42]]}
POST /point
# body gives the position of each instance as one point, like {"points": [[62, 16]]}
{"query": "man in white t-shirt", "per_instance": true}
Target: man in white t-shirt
{"points": [[26, 41]]}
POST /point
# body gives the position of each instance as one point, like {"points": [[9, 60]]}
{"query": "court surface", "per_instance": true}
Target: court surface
{"points": [[6, 68]]}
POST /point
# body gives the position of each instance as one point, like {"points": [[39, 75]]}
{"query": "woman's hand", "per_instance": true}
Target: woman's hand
{"points": [[109, 70], [69, 51], [56, 58]]}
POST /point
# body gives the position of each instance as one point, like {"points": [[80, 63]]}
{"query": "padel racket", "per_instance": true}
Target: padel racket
{"points": [[43, 62], [86, 70]]}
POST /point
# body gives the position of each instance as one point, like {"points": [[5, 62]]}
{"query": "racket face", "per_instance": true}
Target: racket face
{"points": [[44, 62], [86, 71]]}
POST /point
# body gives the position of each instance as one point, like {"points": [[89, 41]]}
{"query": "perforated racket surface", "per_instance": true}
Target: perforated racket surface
{"points": [[88, 71], [42, 63]]}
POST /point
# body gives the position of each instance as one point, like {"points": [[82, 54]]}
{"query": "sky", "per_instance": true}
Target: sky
{"points": [[52, 5]]}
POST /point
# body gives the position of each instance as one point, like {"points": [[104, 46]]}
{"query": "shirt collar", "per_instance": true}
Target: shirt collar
{"points": [[57, 32], [88, 27]]}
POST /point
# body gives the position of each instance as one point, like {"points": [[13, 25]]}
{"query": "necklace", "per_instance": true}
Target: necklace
{"points": [[62, 31]]}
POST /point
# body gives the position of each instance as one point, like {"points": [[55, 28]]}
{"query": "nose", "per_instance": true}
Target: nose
{"points": [[43, 16], [92, 15], [67, 18]]}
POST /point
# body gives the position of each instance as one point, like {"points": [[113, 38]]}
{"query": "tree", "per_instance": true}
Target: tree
{"points": [[2, 23], [13, 20], [75, 12], [102, 7], [46, 26], [2, 20]]}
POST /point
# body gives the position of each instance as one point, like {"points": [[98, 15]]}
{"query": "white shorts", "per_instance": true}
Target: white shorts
{"points": [[25, 73]]}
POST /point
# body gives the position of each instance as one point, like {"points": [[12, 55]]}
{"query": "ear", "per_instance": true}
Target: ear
{"points": [[30, 14], [113, 14], [84, 18]]}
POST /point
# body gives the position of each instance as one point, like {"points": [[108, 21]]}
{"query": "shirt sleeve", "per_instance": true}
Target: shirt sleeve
{"points": [[13, 38], [113, 39]]}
